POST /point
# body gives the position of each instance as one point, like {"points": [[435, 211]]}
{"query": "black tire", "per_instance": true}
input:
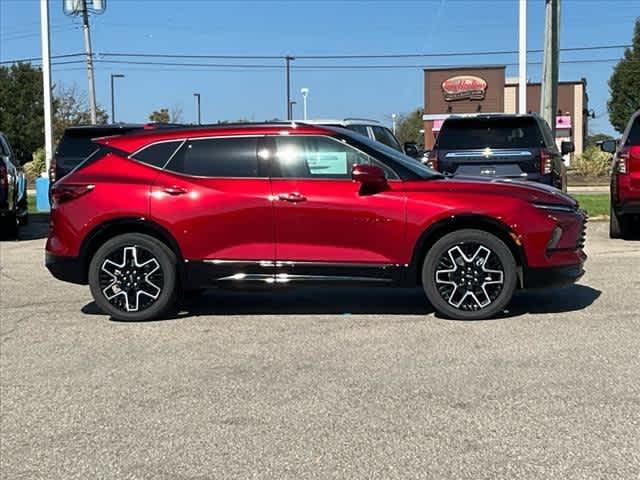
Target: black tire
{"points": [[618, 225], [463, 286], [150, 275]]}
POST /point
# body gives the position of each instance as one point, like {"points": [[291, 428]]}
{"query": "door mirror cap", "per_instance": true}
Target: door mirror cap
{"points": [[410, 149], [608, 146], [567, 147], [368, 175]]}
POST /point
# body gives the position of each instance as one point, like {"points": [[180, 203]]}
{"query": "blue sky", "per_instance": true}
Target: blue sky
{"points": [[308, 28]]}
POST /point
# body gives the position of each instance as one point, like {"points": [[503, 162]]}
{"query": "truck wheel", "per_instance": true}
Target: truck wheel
{"points": [[469, 275], [133, 277]]}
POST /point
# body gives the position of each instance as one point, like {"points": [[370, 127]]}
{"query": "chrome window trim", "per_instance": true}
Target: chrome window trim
{"points": [[142, 149]]}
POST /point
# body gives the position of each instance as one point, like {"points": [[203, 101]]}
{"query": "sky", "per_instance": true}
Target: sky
{"points": [[298, 28]]}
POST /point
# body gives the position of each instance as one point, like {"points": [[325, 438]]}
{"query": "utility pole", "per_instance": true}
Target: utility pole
{"points": [[522, 59], [197, 95], [549, 93], [288, 68], [305, 93], [46, 82], [87, 47], [113, 102]]}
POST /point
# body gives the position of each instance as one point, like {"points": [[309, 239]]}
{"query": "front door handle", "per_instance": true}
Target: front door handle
{"points": [[174, 190], [293, 197]]}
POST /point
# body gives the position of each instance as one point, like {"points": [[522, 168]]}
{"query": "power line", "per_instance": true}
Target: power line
{"points": [[38, 59]]}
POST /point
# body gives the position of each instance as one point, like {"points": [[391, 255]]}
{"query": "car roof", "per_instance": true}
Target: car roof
{"points": [[343, 122], [134, 140]]}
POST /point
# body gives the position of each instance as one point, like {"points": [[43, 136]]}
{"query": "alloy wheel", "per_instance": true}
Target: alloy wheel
{"points": [[469, 276], [131, 278]]}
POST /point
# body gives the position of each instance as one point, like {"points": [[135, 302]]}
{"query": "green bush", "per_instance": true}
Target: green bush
{"points": [[36, 166], [593, 163]]}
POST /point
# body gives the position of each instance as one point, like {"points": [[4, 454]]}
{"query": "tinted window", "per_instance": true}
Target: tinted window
{"points": [[634, 133], [320, 157], [489, 132], [217, 157], [383, 135], [158, 154], [361, 129], [73, 147]]}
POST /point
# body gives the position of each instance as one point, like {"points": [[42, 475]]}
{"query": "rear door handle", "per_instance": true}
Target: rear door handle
{"points": [[293, 197], [174, 190]]}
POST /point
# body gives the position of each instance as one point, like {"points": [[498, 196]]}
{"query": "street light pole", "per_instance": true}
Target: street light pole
{"points": [[304, 91], [197, 95], [113, 102], [288, 73], [87, 47], [522, 59], [393, 122], [46, 83]]}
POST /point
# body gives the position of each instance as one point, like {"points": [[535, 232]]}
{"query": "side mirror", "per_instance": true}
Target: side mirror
{"points": [[410, 149], [368, 175], [567, 147], [608, 146]]}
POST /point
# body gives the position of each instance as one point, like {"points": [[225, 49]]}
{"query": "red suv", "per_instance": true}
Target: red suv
{"points": [[153, 214], [625, 178]]}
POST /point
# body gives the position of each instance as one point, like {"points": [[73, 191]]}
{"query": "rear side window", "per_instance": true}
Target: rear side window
{"points": [[361, 129], [75, 147], [383, 135], [481, 133], [158, 154], [217, 157], [634, 133]]}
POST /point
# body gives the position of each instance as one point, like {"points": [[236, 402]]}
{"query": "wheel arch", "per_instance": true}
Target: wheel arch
{"points": [[458, 222], [119, 226]]}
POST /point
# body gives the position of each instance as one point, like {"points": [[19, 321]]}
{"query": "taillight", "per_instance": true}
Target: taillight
{"points": [[432, 160], [66, 192], [546, 161], [629, 159], [4, 180], [52, 171]]}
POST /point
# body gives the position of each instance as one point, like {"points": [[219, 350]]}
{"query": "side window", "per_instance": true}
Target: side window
{"points": [[634, 133], [217, 157], [320, 157], [361, 129], [158, 154], [383, 135]]}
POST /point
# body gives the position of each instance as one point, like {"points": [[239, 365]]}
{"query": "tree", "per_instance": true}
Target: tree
{"points": [[624, 84], [164, 115], [408, 127], [21, 110], [70, 108]]}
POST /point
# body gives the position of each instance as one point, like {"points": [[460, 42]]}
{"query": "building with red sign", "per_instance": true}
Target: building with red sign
{"points": [[485, 89]]}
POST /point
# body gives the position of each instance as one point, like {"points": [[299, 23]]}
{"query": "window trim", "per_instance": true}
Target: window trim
{"points": [[132, 156], [275, 165]]}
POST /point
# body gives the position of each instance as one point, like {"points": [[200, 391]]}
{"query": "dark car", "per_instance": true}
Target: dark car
{"points": [[156, 213], [13, 190], [625, 179], [505, 146]]}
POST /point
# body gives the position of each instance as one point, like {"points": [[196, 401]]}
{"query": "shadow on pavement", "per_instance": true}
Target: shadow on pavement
{"points": [[38, 227], [360, 301]]}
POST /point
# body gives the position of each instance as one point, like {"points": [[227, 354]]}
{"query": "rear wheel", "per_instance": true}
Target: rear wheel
{"points": [[469, 275], [617, 224], [133, 277]]}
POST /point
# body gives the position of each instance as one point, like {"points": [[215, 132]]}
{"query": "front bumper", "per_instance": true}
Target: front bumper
{"points": [[67, 269], [552, 276]]}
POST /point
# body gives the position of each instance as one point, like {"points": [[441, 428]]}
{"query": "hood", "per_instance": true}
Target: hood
{"points": [[529, 191]]}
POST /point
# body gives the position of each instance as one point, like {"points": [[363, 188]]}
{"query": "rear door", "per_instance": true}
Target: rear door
{"points": [[495, 147], [215, 197]]}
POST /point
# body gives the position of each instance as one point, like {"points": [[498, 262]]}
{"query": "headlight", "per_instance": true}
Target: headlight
{"points": [[555, 208]]}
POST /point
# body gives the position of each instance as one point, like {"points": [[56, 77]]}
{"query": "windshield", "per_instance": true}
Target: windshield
{"points": [[407, 162]]}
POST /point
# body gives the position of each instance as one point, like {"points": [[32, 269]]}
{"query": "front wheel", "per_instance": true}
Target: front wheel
{"points": [[133, 277], [469, 275]]}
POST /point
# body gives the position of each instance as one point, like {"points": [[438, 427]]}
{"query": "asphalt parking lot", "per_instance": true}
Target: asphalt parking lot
{"points": [[352, 383]]}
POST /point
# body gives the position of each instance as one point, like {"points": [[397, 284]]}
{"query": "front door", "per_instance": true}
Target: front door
{"points": [[327, 227]]}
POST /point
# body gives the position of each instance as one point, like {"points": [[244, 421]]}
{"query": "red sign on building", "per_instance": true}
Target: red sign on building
{"points": [[463, 87]]}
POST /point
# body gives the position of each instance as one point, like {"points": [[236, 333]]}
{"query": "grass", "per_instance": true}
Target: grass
{"points": [[596, 204], [31, 200]]}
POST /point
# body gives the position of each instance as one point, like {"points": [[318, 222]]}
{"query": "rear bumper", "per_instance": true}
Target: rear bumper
{"points": [[631, 207], [535, 278], [67, 269]]}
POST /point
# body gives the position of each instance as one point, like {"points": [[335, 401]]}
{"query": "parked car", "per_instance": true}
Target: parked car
{"points": [[155, 213], [373, 130], [14, 209], [76, 144], [500, 145], [625, 178]]}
